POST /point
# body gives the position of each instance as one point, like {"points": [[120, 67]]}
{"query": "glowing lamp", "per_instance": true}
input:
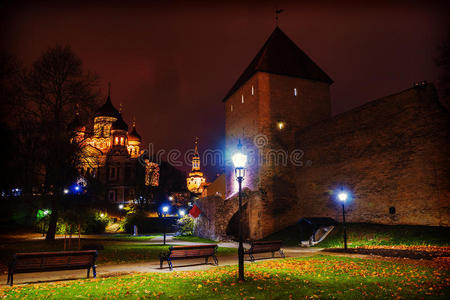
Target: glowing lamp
{"points": [[165, 209], [66, 191], [182, 213], [239, 161], [120, 206], [102, 215], [170, 198], [342, 196]]}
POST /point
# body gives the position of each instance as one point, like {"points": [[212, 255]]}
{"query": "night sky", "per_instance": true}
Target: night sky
{"points": [[171, 63]]}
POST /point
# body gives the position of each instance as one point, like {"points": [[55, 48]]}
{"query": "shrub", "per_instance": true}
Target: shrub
{"points": [[186, 225]]}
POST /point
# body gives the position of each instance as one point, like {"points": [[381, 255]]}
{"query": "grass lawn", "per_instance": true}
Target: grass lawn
{"points": [[193, 239], [361, 234], [114, 251], [314, 277]]}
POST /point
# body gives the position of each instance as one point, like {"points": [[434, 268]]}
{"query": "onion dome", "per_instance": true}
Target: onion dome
{"points": [[119, 124], [133, 135], [107, 110]]}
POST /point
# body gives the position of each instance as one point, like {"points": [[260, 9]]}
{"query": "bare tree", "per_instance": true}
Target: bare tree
{"points": [[55, 88]]}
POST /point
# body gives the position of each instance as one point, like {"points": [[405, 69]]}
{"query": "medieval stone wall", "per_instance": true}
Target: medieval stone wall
{"points": [[391, 153]]}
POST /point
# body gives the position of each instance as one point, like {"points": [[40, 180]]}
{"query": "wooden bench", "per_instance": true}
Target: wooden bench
{"points": [[263, 247], [52, 261], [185, 252]]}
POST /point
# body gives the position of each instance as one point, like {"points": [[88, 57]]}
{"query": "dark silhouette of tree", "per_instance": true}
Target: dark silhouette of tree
{"points": [[55, 88]]}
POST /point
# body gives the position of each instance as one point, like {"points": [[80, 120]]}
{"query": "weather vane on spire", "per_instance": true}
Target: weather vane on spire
{"points": [[277, 12], [196, 144]]}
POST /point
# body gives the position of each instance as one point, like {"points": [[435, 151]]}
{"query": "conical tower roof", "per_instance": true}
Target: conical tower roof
{"points": [[280, 55]]}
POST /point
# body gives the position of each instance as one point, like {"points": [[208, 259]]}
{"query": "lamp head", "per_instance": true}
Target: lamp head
{"points": [[239, 158], [165, 209], [182, 212], [342, 196]]}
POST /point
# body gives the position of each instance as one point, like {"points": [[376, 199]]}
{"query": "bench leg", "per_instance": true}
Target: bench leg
{"points": [[88, 271], [161, 263], [94, 271], [273, 254], [282, 254], [9, 277], [206, 260], [216, 262]]}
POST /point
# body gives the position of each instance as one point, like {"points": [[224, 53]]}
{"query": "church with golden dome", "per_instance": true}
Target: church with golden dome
{"points": [[110, 152]]}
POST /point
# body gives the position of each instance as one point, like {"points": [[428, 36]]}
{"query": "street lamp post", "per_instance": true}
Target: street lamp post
{"points": [[165, 209], [342, 196], [239, 161]]}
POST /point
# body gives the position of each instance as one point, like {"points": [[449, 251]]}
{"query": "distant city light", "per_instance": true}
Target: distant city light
{"points": [[181, 212], [120, 206], [66, 191], [165, 209], [170, 198], [102, 215], [77, 188]]}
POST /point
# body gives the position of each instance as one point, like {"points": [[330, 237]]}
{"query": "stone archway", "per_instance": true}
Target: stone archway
{"points": [[232, 229]]}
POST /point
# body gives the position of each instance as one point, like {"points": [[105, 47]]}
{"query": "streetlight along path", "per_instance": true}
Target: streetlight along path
{"points": [[108, 270]]}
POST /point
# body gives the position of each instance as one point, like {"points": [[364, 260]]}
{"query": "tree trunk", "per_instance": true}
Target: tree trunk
{"points": [[51, 232]]}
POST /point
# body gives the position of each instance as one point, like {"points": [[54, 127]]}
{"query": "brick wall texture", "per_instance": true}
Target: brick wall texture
{"points": [[392, 152]]}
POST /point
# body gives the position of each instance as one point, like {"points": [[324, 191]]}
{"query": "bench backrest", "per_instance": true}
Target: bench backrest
{"points": [[192, 251], [53, 260], [265, 246]]}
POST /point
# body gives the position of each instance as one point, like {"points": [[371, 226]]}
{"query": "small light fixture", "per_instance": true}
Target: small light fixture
{"points": [[165, 209], [171, 198], [181, 212], [102, 215], [281, 125], [66, 191], [120, 206], [342, 196]]}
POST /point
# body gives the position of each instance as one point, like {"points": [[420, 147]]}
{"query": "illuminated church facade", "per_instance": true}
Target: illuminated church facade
{"points": [[110, 153], [196, 181]]}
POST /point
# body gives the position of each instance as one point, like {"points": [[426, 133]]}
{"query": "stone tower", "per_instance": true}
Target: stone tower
{"points": [[279, 93]]}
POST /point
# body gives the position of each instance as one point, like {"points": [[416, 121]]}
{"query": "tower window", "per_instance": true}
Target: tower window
{"points": [[121, 140], [253, 90], [281, 125], [231, 107], [242, 99], [295, 92], [116, 140]]}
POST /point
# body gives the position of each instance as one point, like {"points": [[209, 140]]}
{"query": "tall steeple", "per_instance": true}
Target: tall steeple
{"points": [[196, 181]]}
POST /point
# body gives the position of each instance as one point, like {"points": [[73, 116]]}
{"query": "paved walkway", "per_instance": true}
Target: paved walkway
{"points": [[109, 270]]}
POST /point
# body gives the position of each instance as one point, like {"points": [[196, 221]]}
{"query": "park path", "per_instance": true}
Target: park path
{"points": [[109, 270]]}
